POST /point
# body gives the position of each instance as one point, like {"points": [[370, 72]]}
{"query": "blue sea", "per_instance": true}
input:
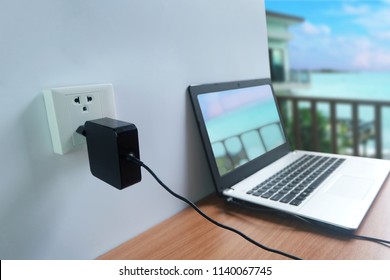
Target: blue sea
{"points": [[354, 85], [357, 85]]}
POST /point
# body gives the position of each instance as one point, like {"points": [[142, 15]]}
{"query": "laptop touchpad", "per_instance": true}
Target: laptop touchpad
{"points": [[350, 187]]}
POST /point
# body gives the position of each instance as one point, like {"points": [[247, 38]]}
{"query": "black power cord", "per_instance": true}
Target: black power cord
{"points": [[133, 159], [329, 229], [348, 234]]}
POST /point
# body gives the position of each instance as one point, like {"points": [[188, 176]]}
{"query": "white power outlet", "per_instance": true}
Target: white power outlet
{"points": [[69, 107]]}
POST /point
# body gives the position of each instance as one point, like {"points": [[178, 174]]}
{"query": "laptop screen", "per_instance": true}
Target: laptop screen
{"points": [[240, 126]]}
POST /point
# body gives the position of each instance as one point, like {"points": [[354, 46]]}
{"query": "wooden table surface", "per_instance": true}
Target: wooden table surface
{"points": [[188, 236]]}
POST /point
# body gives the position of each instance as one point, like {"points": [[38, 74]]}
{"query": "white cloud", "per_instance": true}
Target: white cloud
{"points": [[374, 16], [347, 52], [365, 47], [360, 52], [375, 19], [356, 10], [311, 29], [368, 60], [383, 35]]}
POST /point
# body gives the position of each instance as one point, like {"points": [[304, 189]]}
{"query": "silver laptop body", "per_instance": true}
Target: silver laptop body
{"points": [[247, 151]]}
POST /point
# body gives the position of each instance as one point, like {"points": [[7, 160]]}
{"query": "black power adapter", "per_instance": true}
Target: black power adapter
{"points": [[109, 143]]}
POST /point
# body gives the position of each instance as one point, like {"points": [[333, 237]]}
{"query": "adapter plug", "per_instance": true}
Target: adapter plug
{"points": [[109, 142]]}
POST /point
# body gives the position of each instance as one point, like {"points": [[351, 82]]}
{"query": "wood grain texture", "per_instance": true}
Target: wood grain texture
{"points": [[189, 236]]}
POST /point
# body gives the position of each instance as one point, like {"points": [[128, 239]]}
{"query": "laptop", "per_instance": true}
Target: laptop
{"points": [[251, 159]]}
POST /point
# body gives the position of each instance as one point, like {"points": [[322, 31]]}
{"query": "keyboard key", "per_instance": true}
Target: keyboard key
{"points": [[277, 196], [296, 202], [287, 198], [267, 195]]}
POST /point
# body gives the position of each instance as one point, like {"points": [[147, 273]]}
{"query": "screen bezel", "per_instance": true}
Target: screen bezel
{"points": [[238, 174]]}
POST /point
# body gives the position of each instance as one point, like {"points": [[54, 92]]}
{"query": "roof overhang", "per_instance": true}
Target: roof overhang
{"points": [[287, 19]]}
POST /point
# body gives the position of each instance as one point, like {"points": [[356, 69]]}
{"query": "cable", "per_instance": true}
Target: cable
{"points": [[372, 239], [346, 233], [333, 230], [133, 159]]}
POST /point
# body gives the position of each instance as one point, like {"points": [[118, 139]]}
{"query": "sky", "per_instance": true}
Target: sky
{"points": [[338, 34]]}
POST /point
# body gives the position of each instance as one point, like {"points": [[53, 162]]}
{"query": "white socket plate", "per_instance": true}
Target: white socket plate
{"points": [[69, 107]]}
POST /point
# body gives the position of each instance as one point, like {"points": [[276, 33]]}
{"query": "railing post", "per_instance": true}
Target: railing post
{"points": [[296, 119], [314, 131], [333, 127], [355, 128], [378, 131]]}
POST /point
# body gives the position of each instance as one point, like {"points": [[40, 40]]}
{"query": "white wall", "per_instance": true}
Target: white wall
{"points": [[51, 207]]}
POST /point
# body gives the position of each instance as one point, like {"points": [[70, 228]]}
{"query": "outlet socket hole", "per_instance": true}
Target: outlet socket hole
{"points": [[77, 100], [85, 108], [89, 98]]}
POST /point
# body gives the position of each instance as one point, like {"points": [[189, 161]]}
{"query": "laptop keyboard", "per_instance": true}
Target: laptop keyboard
{"points": [[294, 183]]}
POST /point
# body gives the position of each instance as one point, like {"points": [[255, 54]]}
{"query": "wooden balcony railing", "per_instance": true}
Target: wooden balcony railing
{"points": [[356, 128]]}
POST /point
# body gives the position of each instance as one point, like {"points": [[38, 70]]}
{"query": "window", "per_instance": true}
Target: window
{"points": [[277, 65]]}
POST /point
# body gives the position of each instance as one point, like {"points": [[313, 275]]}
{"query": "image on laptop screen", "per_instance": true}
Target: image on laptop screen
{"points": [[242, 124]]}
